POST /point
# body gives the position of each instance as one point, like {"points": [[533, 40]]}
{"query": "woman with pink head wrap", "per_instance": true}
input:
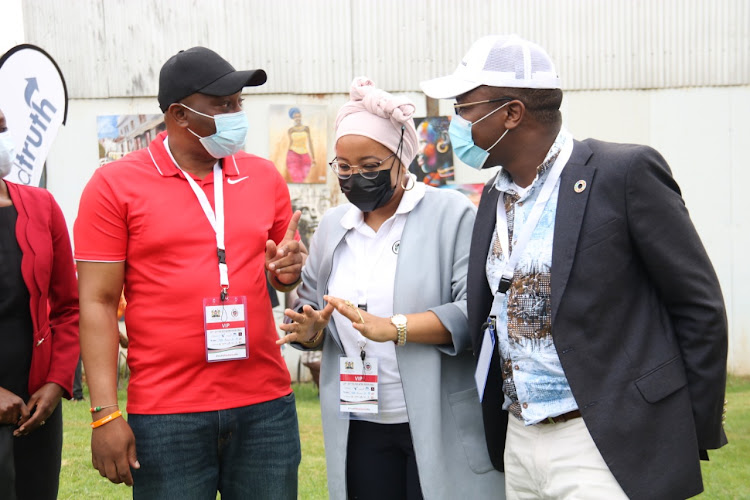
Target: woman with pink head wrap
{"points": [[374, 121], [376, 114], [383, 295]]}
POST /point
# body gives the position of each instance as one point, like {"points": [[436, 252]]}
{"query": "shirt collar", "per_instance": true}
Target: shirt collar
{"points": [[167, 166], [354, 217], [504, 182]]}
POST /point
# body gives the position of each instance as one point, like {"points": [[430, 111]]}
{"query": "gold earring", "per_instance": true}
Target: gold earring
{"points": [[410, 178]]}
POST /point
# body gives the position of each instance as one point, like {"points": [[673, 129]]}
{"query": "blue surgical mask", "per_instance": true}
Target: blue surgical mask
{"points": [[231, 132], [463, 141], [7, 153]]}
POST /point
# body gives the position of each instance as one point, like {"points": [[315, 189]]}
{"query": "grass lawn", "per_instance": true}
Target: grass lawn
{"points": [[79, 479], [726, 476]]}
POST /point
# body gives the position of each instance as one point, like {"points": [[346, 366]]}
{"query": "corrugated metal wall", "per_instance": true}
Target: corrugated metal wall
{"points": [[113, 48]]}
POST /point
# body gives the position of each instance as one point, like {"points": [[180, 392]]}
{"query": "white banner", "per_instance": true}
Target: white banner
{"points": [[34, 99]]}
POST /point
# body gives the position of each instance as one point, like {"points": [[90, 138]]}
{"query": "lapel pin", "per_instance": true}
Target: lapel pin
{"points": [[579, 186]]}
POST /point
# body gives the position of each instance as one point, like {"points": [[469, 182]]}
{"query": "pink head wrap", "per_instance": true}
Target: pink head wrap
{"points": [[376, 114]]}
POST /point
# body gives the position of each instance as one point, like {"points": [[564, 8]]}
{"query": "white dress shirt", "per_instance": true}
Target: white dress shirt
{"points": [[364, 270]]}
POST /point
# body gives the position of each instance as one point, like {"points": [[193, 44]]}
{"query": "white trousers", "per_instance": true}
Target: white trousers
{"points": [[556, 461]]}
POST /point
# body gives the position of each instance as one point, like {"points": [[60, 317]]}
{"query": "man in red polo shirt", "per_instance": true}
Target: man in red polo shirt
{"points": [[191, 225]]}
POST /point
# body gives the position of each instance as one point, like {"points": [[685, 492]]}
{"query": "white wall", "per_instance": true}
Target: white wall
{"points": [[703, 135], [11, 33], [702, 132], [114, 48]]}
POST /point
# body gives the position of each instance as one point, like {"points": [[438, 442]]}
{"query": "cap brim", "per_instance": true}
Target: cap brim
{"points": [[447, 87], [231, 83]]}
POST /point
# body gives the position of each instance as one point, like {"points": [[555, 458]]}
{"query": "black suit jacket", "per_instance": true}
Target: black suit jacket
{"points": [[638, 319]]}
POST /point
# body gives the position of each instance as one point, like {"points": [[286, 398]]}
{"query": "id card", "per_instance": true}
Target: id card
{"points": [[358, 385], [225, 324]]}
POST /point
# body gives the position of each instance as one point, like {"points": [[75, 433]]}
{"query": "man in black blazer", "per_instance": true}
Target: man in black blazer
{"points": [[610, 321]]}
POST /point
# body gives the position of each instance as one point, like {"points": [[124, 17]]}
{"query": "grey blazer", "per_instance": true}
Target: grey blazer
{"points": [[441, 399]]}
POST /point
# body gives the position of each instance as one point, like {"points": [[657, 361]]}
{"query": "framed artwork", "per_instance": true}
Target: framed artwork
{"points": [[472, 191], [433, 164], [312, 200], [298, 142], [119, 135]]}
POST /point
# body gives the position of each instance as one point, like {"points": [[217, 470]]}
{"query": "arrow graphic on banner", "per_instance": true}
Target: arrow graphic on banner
{"points": [[31, 87], [34, 99]]}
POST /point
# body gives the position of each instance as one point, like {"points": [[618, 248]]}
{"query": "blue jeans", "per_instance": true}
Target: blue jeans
{"points": [[244, 453]]}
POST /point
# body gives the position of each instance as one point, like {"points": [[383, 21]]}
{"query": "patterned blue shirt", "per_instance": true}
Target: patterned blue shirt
{"points": [[534, 383]]}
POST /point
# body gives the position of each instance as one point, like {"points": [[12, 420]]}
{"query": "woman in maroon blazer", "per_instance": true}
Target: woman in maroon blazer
{"points": [[38, 334]]}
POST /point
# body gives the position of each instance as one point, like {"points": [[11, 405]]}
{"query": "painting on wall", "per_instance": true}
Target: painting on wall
{"points": [[472, 191], [119, 135], [298, 142], [433, 164], [312, 200]]}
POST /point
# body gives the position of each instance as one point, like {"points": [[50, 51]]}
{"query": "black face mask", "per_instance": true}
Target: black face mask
{"points": [[368, 194]]}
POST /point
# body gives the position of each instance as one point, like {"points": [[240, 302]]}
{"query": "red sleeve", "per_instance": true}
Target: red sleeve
{"points": [[63, 304], [283, 212], [100, 231]]}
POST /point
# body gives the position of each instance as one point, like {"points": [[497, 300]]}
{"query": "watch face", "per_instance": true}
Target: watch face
{"points": [[399, 319]]}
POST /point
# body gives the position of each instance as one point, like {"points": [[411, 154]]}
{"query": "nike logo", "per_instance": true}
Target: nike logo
{"points": [[235, 181]]}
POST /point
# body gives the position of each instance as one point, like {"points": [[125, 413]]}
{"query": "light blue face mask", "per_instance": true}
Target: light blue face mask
{"points": [[230, 136], [463, 141]]}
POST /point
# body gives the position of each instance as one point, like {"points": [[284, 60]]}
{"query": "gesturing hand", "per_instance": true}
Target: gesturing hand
{"points": [[370, 326], [285, 261], [305, 324]]}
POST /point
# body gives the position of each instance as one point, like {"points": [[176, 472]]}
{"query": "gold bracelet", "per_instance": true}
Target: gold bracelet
{"points": [[106, 419], [314, 340]]}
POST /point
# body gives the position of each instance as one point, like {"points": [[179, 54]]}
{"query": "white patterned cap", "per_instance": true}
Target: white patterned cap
{"points": [[498, 61]]}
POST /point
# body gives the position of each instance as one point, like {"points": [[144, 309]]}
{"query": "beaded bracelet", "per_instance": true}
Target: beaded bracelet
{"points": [[106, 419], [100, 408]]}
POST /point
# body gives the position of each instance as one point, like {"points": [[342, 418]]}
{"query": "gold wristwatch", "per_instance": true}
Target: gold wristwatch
{"points": [[399, 321]]}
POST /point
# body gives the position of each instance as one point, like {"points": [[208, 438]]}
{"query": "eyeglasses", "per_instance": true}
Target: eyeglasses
{"points": [[368, 170], [458, 107]]}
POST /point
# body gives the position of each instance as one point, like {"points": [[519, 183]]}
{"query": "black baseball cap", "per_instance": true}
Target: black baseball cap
{"points": [[202, 70]]}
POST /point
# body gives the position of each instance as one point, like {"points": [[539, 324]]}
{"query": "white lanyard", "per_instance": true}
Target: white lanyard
{"points": [[216, 220], [531, 222]]}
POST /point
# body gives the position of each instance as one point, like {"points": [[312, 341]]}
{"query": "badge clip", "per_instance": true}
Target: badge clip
{"points": [[504, 285]]}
